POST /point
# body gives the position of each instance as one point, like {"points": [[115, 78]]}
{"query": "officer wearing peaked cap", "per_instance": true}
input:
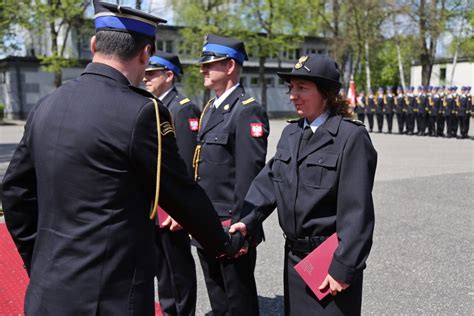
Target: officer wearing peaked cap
{"points": [[371, 108], [232, 145], [380, 110], [320, 180], [389, 102], [79, 187], [176, 271]]}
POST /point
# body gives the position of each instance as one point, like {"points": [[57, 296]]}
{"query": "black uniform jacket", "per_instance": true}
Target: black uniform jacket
{"points": [[422, 104], [234, 146], [78, 191], [327, 189], [389, 104], [380, 105], [371, 106], [186, 122]]}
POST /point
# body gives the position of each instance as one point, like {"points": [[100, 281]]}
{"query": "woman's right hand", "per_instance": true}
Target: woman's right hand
{"points": [[242, 228]]}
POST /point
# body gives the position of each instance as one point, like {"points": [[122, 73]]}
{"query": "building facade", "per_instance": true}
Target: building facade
{"points": [[442, 73]]}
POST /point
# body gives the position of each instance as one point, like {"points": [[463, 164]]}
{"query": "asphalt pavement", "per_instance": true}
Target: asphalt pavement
{"points": [[422, 258]]}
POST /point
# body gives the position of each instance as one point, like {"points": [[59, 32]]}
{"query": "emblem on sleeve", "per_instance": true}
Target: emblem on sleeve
{"points": [[256, 129], [193, 124], [166, 128]]}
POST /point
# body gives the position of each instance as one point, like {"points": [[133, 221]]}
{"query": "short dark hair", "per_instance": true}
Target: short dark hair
{"points": [[121, 44]]}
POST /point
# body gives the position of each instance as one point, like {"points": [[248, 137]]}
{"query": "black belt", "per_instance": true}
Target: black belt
{"points": [[304, 245]]}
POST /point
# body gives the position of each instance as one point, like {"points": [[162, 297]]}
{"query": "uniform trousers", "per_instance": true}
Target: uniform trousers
{"points": [[231, 283], [410, 122], [440, 125], [176, 273], [361, 117], [401, 122], [464, 125], [380, 122], [370, 118], [452, 122], [300, 300], [389, 117]]}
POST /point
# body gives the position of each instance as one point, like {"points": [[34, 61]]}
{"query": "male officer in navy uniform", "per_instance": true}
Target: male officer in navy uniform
{"points": [[449, 113], [435, 104], [360, 107], [400, 110], [82, 186], [410, 101], [370, 110], [463, 112], [379, 113], [176, 271], [420, 111], [232, 145], [389, 102]]}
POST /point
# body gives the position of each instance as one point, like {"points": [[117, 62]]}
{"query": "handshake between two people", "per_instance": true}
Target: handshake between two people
{"points": [[236, 246]]}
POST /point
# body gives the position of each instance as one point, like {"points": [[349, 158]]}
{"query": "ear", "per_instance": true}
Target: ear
{"points": [[169, 76], [232, 65], [145, 54], [93, 43]]}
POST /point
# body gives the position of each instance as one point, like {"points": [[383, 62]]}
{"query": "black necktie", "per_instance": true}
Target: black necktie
{"points": [[305, 137]]}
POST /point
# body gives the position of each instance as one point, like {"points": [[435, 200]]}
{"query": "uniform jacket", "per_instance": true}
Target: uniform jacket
{"points": [[360, 108], [463, 105], [327, 189], [450, 105], [371, 106], [185, 116], [411, 103], [380, 105], [422, 104], [436, 102], [389, 104], [233, 143], [77, 197], [401, 104]]}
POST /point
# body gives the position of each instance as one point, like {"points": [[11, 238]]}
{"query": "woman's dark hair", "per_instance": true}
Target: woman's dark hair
{"points": [[121, 44], [336, 103]]}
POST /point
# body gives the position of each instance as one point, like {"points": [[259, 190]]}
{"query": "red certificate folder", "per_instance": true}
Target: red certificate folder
{"points": [[161, 216], [315, 266]]}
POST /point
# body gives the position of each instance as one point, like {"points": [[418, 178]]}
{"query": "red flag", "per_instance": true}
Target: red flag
{"points": [[351, 94]]}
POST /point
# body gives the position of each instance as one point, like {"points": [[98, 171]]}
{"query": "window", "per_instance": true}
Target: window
{"points": [[2, 78], [270, 81], [442, 75], [310, 51], [281, 82], [321, 51], [254, 82], [243, 81], [166, 46]]}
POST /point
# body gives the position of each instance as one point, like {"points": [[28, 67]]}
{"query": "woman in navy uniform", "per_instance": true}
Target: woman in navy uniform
{"points": [[321, 180]]}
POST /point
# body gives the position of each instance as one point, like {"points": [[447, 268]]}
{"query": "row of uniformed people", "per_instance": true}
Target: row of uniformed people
{"points": [[431, 110]]}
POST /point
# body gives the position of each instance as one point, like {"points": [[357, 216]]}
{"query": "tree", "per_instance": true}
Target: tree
{"points": [[269, 28], [13, 13]]}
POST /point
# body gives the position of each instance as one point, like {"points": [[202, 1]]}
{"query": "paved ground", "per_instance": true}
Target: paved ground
{"points": [[422, 259]]}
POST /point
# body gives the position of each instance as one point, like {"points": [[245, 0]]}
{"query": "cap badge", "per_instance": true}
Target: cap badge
{"points": [[301, 62]]}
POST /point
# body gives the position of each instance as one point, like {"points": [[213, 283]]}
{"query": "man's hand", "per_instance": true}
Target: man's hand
{"points": [[235, 244], [334, 285], [174, 225]]}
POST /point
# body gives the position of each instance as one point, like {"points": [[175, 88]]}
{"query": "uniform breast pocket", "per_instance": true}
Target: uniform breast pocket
{"points": [[216, 150], [320, 170], [281, 162]]}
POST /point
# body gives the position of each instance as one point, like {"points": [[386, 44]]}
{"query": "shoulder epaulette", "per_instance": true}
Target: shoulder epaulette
{"points": [[293, 120], [247, 101], [142, 92], [184, 101], [356, 122]]}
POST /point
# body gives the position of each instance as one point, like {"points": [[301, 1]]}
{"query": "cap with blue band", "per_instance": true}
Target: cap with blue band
{"points": [[229, 52], [113, 17], [156, 60]]}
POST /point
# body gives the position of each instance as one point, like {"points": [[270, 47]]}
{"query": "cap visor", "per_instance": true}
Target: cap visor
{"points": [[211, 59], [152, 68]]}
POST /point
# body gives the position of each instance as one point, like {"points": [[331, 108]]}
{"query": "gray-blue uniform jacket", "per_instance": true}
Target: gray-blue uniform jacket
{"points": [[78, 192]]}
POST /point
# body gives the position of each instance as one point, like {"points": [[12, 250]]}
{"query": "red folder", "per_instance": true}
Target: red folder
{"points": [[314, 268], [161, 216]]}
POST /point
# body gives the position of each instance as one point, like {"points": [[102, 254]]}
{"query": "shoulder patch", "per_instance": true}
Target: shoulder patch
{"points": [[293, 120], [249, 100], [184, 101], [354, 121], [142, 92], [166, 128]]}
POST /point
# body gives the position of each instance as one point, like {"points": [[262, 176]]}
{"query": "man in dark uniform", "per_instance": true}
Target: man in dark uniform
{"points": [[360, 107], [400, 110], [232, 145], [410, 100], [370, 110], [421, 111], [463, 111], [389, 102], [176, 271], [379, 112], [435, 110], [79, 187], [430, 122], [449, 113], [469, 108]]}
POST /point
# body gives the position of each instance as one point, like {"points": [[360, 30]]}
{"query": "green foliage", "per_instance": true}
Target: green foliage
{"points": [[12, 13]]}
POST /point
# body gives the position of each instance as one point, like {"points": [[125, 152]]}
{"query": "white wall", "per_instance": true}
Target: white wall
{"points": [[463, 75]]}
